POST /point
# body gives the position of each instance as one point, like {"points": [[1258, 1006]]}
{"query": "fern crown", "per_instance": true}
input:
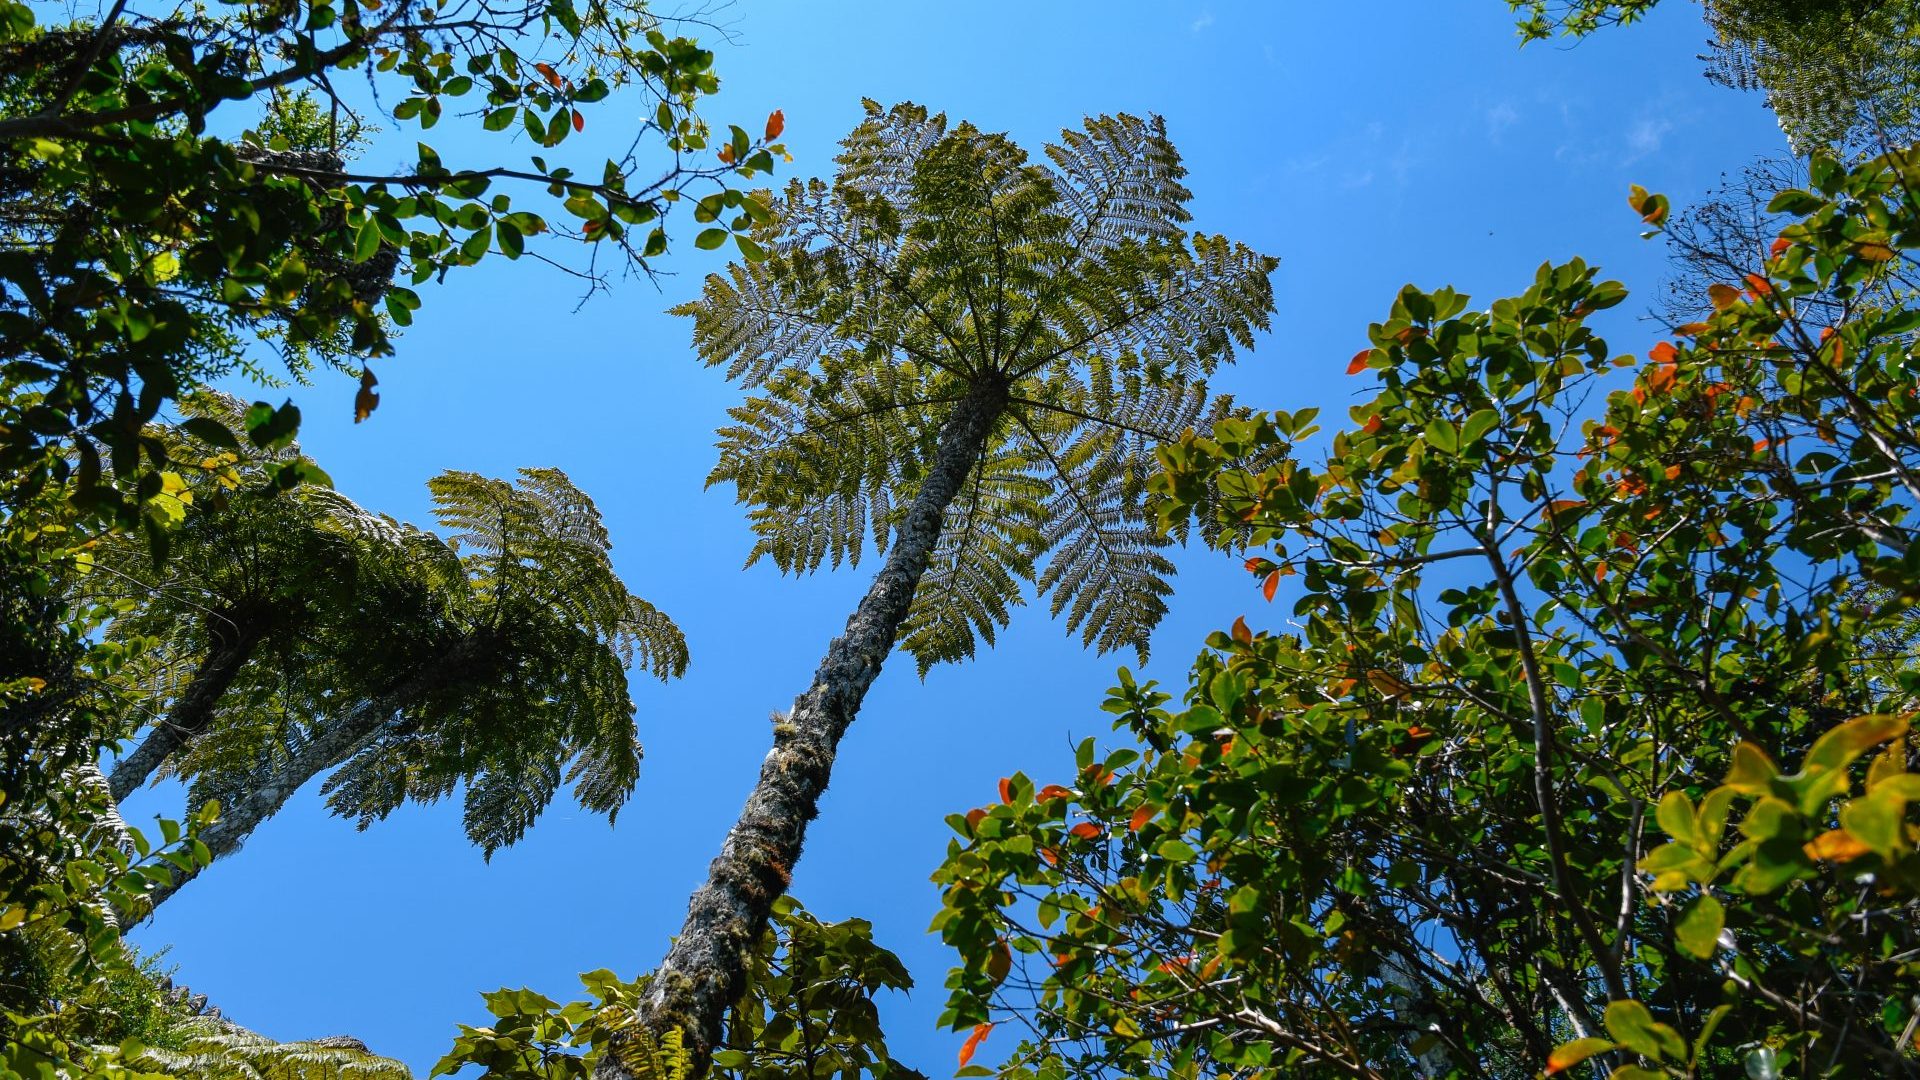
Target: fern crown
{"points": [[941, 261]]}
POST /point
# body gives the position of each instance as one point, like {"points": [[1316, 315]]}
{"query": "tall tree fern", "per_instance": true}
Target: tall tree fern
{"points": [[518, 689], [967, 360], [297, 631]]}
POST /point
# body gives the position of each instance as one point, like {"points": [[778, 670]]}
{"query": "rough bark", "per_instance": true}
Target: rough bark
{"points": [[234, 640], [243, 809], [703, 971]]}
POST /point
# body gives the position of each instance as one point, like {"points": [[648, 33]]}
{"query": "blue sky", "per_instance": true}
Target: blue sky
{"points": [[1366, 145]]}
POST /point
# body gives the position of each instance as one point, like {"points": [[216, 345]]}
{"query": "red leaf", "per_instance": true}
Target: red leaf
{"points": [[973, 1043], [1270, 586], [1240, 632], [1780, 247], [1359, 362], [1140, 817], [1086, 830], [1758, 285], [579, 122], [1664, 353], [1006, 790], [776, 123]]}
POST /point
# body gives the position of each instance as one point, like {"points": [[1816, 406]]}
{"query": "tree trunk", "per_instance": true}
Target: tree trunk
{"points": [[702, 972], [234, 640], [243, 809]]}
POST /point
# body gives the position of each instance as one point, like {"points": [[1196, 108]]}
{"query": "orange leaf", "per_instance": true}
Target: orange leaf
{"points": [[1660, 379], [1140, 818], [1052, 856], [1271, 585], [1373, 425], [1240, 632], [1761, 444], [1692, 329], [1836, 845], [1673, 472], [726, 153], [1664, 353], [1561, 506], [975, 816], [1723, 296], [1086, 830], [1779, 247], [365, 400], [1006, 790], [1212, 966], [1359, 362], [1600, 572], [579, 122], [973, 1043], [546, 71], [1344, 687], [1052, 792], [776, 123], [1758, 285]]}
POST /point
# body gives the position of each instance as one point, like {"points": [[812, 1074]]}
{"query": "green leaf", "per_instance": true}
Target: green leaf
{"points": [[1697, 931], [710, 239], [1633, 1026], [1443, 436], [1477, 425]]}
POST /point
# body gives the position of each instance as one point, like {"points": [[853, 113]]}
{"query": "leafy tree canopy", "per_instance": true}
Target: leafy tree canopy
{"points": [[147, 250], [1590, 748]]}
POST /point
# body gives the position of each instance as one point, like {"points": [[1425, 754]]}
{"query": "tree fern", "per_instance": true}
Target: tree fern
{"points": [[967, 359], [496, 656]]}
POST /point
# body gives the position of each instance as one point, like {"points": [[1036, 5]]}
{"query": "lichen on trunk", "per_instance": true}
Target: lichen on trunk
{"points": [[702, 972]]}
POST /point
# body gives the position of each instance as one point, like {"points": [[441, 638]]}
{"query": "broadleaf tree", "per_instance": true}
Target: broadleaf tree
{"points": [[1587, 749], [966, 359]]}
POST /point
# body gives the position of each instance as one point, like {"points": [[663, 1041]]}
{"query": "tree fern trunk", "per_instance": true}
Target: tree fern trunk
{"points": [[191, 713], [702, 972], [255, 797]]}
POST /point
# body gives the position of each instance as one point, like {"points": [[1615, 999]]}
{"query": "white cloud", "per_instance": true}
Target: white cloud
{"points": [[1205, 20], [1500, 118], [1645, 137]]}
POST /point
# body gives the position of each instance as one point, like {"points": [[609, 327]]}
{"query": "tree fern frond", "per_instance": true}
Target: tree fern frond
{"points": [[981, 563], [1119, 180]]}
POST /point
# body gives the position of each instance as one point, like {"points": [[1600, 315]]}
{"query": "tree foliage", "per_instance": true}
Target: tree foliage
{"points": [[805, 1012], [939, 262], [1588, 748], [494, 658], [147, 252]]}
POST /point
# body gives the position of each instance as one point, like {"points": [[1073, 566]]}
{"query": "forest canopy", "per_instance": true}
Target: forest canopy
{"points": [[1558, 714]]}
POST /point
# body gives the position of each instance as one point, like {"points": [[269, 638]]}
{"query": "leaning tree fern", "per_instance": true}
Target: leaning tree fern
{"points": [[518, 688], [253, 575], [968, 360]]}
